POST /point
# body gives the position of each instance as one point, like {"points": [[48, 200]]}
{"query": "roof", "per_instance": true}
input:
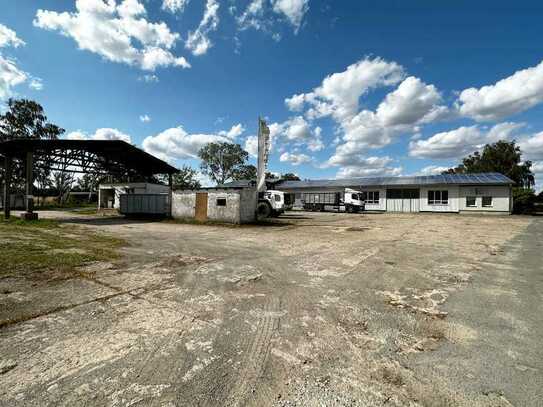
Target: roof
{"points": [[115, 151], [247, 183], [490, 178]]}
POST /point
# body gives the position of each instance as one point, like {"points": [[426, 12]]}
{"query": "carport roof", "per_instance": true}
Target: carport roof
{"points": [[117, 152], [489, 178]]}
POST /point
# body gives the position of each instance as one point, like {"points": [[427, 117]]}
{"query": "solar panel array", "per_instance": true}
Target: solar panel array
{"points": [[489, 178]]}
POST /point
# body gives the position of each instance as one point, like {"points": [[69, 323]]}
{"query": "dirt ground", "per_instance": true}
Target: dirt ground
{"points": [[319, 310]]}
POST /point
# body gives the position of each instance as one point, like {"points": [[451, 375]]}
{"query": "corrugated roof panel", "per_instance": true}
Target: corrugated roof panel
{"points": [[454, 179]]}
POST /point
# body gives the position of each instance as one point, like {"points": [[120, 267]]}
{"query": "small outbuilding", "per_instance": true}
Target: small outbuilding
{"points": [[230, 205], [109, 195]]}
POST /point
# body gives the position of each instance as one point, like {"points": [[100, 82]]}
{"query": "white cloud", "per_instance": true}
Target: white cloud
{"points": [[112, 31], [99, 134], [198, 41], [175, 143], [432, 170], [461, 141], [259, 15], [537, 169], [174, 6], [10, 76], [514, 94], [295, 103], [359, 166], [295, 159], [236, 131], [149, 78], [36, 84], [8, 38], [251, 145], [410, 103], [145, 118], [298, 132], [293, 10], [532, 146]]}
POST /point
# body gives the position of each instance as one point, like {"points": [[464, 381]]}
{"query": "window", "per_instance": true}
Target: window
{"points": [[277, 198], [438, 197], [354, 197], [221, 201], [372, 197], [487, 201], [471, 201]]}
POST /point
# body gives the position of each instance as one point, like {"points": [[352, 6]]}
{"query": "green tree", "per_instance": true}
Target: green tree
{"points": [[221, 161], [25, 119], [289, 176], [186, 178], [504, 157], [245, 172]]}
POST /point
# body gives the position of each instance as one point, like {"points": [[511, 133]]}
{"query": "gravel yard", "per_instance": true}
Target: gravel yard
{"points": [[317, 309]]}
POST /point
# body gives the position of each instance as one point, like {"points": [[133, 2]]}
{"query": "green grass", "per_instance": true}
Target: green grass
{"points": [[44, 246]]}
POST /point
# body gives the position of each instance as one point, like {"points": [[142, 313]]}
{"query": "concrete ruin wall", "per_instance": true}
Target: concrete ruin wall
{"points": [[183, 204]]}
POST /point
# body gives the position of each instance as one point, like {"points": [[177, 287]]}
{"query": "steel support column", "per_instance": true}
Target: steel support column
{"points": [[29, 181], [170, 184], [8, 161]]}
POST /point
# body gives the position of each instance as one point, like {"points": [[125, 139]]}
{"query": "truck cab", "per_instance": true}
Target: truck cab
{"points": [[271, 203], [353, 200]]}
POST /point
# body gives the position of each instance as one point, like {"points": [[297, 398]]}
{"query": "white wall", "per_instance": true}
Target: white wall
{"points": [[452, 206], [229, 213], [500, 198], [183, 204]]}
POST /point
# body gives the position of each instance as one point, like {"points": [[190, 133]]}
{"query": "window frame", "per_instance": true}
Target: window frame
{"points": [[372, 197], [483, 201], [474, 197], [438, 197]]}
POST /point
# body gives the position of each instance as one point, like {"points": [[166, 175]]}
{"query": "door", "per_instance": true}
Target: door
{"points": [[410, 200], [200, 212]]}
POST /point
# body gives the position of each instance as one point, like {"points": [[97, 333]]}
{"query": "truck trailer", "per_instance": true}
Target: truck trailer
{"points": [[350, 201]]}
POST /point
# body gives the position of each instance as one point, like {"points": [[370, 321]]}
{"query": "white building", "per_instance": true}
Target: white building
{"points": [[109, 194], [457, 193]]}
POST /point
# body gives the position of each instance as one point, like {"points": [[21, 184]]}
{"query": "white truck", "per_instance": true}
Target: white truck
{"points": [[271, 203], [349, 200]]}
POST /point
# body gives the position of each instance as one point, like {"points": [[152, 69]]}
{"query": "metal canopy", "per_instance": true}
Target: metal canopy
{"points": [[87, 156], [491, 178]]}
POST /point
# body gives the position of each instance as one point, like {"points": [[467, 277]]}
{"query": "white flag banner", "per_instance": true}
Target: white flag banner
{"points": [[263, 154]]}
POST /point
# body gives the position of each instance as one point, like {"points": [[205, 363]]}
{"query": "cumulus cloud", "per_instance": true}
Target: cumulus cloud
{"points": [[432, 170], [36, 84], [360, 166], [251, 145], [293, 10], [119, 33], [8, 38], [514, 94], [537, 169], [198, 41], [174, 6], [10, 76], [145, 118], [532, 146], [297, 131], [176, 143], [294, 158], [461, 141], [99, 134]]}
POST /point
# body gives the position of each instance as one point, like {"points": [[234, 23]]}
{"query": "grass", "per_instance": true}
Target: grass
{"points": [[43, 246]]}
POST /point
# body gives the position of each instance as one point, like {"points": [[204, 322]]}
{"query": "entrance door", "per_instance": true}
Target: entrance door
{"points": [[200, 212], [403, 200]]}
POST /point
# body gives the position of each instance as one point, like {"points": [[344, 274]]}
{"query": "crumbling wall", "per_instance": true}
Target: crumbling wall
{"points": [[248, 205], [229, 213]]}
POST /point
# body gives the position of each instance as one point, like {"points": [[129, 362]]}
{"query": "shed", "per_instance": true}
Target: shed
{"points": [[109, 195], [230, 205]]}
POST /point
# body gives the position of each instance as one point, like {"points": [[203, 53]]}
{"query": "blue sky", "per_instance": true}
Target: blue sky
{"points": [[349, 88]]}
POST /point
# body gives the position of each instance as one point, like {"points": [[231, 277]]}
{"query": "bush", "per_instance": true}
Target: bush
{"points": [[524, 200]]}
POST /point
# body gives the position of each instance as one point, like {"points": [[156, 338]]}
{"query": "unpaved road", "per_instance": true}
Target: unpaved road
{"points": [[328, 309]]}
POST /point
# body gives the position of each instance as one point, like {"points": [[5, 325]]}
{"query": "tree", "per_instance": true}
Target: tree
{"points": [[186, 178], [289, 176], [245, 172], [504, 157], [221, 161], [26, 119]]}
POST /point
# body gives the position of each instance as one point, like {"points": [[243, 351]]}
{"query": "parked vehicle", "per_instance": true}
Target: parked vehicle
{"points": [[350, 201], [270, 204]]}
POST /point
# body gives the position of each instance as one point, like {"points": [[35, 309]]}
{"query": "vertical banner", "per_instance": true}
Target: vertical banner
{"points": [[263, 154]]}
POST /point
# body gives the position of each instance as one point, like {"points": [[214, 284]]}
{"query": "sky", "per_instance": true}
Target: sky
{"points": [[348, 88]]}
